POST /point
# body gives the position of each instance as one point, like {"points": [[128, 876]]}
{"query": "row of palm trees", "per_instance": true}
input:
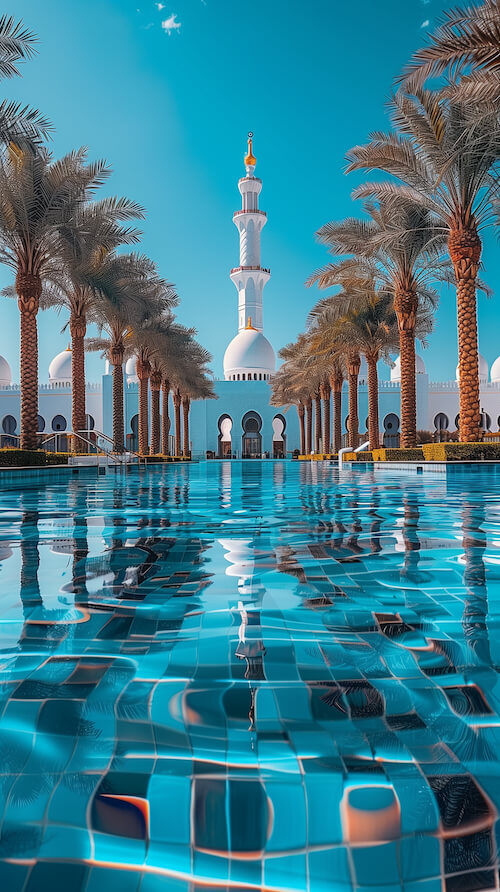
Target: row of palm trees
{"points": [[65, 246], [420, 229]]}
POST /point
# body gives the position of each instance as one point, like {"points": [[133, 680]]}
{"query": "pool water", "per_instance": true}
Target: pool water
{"points": [[251, 675]]}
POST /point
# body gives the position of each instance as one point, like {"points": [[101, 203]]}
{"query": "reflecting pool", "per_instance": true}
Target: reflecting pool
{"points": [[251, 676]]}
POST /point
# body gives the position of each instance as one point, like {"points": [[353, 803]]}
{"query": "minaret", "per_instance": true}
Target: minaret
{"points": [[250, 277]]}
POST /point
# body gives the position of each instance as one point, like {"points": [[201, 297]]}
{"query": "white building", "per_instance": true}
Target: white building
{"points": [[241, 422]]}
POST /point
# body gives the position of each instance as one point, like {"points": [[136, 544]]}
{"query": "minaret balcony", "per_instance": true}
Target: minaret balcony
{"points": [[243, 269], [239, 213]]}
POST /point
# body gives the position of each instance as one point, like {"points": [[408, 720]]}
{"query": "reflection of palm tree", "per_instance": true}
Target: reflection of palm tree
{"points": [[410, 538], [476, 602], [30, 561]]}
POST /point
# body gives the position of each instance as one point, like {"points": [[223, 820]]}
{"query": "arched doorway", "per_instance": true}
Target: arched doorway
{"points": [[251, 441], [279, 437], [391, 431], [133, 438], [9, 426], [441, 424], [225, 425]]}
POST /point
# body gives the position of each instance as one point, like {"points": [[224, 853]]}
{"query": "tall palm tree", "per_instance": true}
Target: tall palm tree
{"points": [[18, 124], [465, 44], [197, 387], [127, 302], [286, 390], [144, 339], [86, 243], [307, 379], [369, 328], [170, 348], [443, 153], [39, 196], [398, 251]]}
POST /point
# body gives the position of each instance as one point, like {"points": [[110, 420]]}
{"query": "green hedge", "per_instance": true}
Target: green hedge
{"points": [[57, 458], [15, 458], [365, 456], [472, 451]]}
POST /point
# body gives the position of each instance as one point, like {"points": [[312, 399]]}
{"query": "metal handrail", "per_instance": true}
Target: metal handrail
{"points": [[110, 440]]}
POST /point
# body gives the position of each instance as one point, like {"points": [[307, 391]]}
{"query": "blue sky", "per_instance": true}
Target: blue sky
{"points": [[170, 107]]}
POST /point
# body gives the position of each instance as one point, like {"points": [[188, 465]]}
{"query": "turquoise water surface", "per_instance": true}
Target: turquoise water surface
{"points": [[251, 675]]}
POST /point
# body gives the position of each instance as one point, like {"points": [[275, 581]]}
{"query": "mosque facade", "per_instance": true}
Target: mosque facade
{"points": [[241, 423]]}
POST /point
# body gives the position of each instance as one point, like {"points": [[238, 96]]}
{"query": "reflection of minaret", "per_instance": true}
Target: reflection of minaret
{"points": [[250, 277]]}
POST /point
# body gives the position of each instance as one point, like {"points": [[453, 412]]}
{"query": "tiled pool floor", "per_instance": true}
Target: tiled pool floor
{"points": [[250, 676]]}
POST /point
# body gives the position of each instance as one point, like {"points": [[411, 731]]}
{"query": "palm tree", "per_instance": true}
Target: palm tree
{"points": [[307, 379], [369, 328], [397, 251], [127, 303], [443, 153], [170, 348], [337, 378], [198, 387], [86, 243], [18, 124], [145, 338], [288, 391], [466, 44], [39, 196]]}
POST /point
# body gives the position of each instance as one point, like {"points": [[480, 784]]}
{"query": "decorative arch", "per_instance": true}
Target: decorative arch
{"points": [[251, 440], [225, 424], [9, 425], [391, 430], [279, 436]]}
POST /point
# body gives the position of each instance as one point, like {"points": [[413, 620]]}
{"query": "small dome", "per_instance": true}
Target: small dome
{"points": [[249, 351], [483, 370], [5, 373], [396, 370], [60, 368], [131, 369], [495, 370]]}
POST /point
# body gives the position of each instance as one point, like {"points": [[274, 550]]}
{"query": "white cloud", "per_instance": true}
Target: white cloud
{"points": [[170, 24], [160, 6], [425, 24]]}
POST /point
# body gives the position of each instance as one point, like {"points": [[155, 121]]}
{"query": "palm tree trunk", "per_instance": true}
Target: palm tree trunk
{"points": [[309, 424], [116, 359], [186, 404], [336, 384], [155, 412], [177, 415], [406, 305], [325, 396], [143, 372], [29, 289], [373, 420], [317, 423], [354, 366], [465, 252], [78, 330], [301, 412], [165, 420]]}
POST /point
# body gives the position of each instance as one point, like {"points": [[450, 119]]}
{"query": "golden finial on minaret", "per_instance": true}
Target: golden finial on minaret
{"points": [[250, 159], [249, 325]]}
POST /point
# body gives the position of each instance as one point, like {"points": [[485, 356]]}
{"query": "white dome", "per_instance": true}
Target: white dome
{"points": [[396, 370], [249, 351], [495, 370], [5, 373], [131, 369], [60, 368], [483, 370]]}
